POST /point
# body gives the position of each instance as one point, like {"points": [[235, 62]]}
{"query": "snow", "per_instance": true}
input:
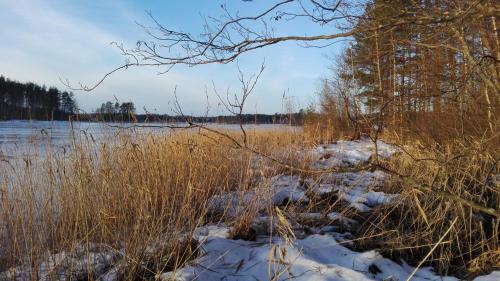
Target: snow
{"points": [[319, 256], [231, 204], [316, 257], [335, 216], [317, 251], [358, 189], [349, 153], [494, 276], [275, 191], [74, 265], [203, 233], [322, 189], [287, 188]]}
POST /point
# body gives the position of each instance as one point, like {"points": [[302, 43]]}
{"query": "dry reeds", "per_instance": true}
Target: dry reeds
{"points": [[139, 195], [452, 181]]}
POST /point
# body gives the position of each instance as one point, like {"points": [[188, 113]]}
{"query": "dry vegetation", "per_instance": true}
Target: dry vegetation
{"points": [[141, 196], [131, 191], [438, 183], [423, 75]]}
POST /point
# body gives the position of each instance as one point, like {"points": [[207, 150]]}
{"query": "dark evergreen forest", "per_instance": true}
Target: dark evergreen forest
{"points": [[29, 101]]}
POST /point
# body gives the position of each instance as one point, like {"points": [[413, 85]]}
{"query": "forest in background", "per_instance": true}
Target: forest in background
{"points": [[423, 76], [29, 101], [436, 74]]}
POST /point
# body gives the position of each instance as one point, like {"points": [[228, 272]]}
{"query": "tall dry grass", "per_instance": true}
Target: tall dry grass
{"points": [[447, 170], [128, 192], [143, 194], [441, 177]]}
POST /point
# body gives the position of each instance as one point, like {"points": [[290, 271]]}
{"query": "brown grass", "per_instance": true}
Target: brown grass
{"points": [[130, 191], [135, 190], [467, 170]]}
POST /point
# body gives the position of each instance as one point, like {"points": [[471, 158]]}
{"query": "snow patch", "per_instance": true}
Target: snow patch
{"points": [[274, 191], [316, 257], [84, 261], [349, 153], [494, 276], [287, 188], [334, 216]]}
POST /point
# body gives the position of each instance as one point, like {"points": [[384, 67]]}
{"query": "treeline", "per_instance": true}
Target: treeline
{"points": [[129, 116], [24, 101], [113, 112], [126, 112], [440, 74]]}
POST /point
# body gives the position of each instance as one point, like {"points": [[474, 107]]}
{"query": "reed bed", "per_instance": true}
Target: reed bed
{"points": [[143, 194], [131, 191], [436, 183]]}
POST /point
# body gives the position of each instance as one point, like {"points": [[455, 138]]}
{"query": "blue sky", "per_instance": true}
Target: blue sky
{"points": [[43, 41]]}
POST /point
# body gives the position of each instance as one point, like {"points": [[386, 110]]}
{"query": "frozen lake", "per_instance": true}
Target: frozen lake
{"points": [[26, 138]]}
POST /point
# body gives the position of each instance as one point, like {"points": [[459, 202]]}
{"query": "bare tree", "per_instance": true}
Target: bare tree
{"points": [[230, 35], [225, 38], [234, 104]]}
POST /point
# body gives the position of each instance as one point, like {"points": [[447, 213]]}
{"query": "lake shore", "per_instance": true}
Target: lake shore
{"points": [[201, 205]]}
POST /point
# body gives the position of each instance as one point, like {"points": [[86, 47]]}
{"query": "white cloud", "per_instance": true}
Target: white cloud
{"points": [[45, 40]]}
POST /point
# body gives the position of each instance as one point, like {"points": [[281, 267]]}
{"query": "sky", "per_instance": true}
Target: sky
{"points": [[44, 41]]}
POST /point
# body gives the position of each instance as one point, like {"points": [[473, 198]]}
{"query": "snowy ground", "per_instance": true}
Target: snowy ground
{"points": [[310, 251], [319, 255], [316, 257]]}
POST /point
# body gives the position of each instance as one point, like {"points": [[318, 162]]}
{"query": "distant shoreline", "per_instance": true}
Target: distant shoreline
{"points": [[294, 119]]}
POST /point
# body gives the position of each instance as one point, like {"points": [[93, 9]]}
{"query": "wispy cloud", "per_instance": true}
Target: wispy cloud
{"points": [[45, 40]]}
